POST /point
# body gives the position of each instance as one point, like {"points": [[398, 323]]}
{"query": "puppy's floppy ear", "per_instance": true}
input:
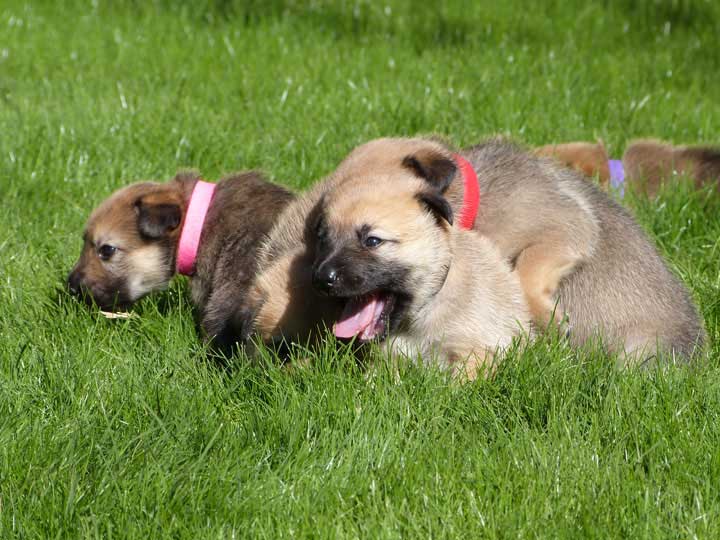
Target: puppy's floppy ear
{"points": [[186, 179], [313, 222], [157, 218], [432, 165], [187, 175], [437, 204]]}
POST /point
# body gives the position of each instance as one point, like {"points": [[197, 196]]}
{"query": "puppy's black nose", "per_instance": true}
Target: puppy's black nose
{"points": [[325, 278], [73, 282]]}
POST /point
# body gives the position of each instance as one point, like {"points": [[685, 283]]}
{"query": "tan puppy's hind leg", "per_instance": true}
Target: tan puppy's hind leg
{"points": [[540, 269]]}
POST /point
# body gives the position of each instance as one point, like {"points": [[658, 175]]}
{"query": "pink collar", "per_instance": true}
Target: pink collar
{"points": [[192, 228], [471, 196]]}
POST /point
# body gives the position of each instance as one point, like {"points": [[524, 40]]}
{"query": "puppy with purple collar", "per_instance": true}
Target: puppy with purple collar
{"points": [[645, 166], [145, 233]]}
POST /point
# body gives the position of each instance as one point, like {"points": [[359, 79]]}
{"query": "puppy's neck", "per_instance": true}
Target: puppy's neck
{"points": [[464, 193], [430, 312], [194, 220], [470, 193]]}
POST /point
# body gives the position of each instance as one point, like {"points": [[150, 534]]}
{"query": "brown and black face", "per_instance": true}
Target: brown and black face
{"points": [[383, 249], [130, 242]]}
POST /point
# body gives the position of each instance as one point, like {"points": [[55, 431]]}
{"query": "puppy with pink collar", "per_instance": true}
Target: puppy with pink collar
{"points": [[145, 233]]}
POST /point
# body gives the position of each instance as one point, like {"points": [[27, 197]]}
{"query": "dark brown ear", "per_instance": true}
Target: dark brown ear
{"points": [[157, 219], [437, 204], [435, 167], [187, 177], [185, 181]]}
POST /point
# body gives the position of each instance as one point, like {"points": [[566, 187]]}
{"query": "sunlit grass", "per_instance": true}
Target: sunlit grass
{"points": [[127, 428]]}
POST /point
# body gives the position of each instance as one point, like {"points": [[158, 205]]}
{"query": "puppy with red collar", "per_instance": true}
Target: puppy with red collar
{"points": [[145, 233], [412, 273], [574, 250]]}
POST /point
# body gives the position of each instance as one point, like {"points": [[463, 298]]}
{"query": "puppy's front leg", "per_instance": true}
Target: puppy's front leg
{"points": [[227, 320], [271, 294], [289, 307]]}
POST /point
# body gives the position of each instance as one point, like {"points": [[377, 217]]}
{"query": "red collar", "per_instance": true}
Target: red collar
{"points": [[192, 228], [471, 193]]}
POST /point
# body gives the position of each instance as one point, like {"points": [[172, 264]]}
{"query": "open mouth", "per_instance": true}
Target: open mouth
{"points": [[366, 316]]}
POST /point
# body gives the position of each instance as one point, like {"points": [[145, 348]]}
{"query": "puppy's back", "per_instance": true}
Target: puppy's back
{"points": [[702, 163], [245, 208], [521, 194], [650, 162]]}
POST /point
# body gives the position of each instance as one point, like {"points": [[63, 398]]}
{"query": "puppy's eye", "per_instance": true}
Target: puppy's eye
{"points": [[372, 241], [106, 251]]}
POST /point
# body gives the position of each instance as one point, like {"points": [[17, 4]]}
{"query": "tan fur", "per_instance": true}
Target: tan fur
{"points": [[540, 276], [148, 269], [591, 159], [466, 300], [288, 308], [572, 246]]}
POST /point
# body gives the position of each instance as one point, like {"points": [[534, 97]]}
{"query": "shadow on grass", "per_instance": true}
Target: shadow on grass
{"points": [[429, 27], [434, 25], [687, 14]]}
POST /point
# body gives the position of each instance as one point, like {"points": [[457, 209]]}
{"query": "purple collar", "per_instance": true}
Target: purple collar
{"points": [[617, 176]]}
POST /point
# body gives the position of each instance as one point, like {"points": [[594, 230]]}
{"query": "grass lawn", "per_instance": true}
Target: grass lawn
{"points": [[125, 429]]}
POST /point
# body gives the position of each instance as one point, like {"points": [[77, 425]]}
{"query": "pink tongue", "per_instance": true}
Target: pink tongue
{"points": [[360, 316]]}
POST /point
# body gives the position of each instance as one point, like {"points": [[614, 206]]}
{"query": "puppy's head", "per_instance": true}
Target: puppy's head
{"points": [[383, 246], [130, 244], [391, 160]]}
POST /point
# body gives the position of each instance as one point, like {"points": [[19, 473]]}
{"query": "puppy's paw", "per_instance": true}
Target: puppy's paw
{"points": [[466, 367], [541, 307], [244, 320], [220, 335], [547, 316]]}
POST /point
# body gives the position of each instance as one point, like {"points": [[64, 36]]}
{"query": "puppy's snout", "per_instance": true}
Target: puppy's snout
{"points": [[326, 277], [74, 282]]}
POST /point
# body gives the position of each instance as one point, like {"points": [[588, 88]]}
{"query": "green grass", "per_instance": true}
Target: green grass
{"points": [[126, 429]]}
